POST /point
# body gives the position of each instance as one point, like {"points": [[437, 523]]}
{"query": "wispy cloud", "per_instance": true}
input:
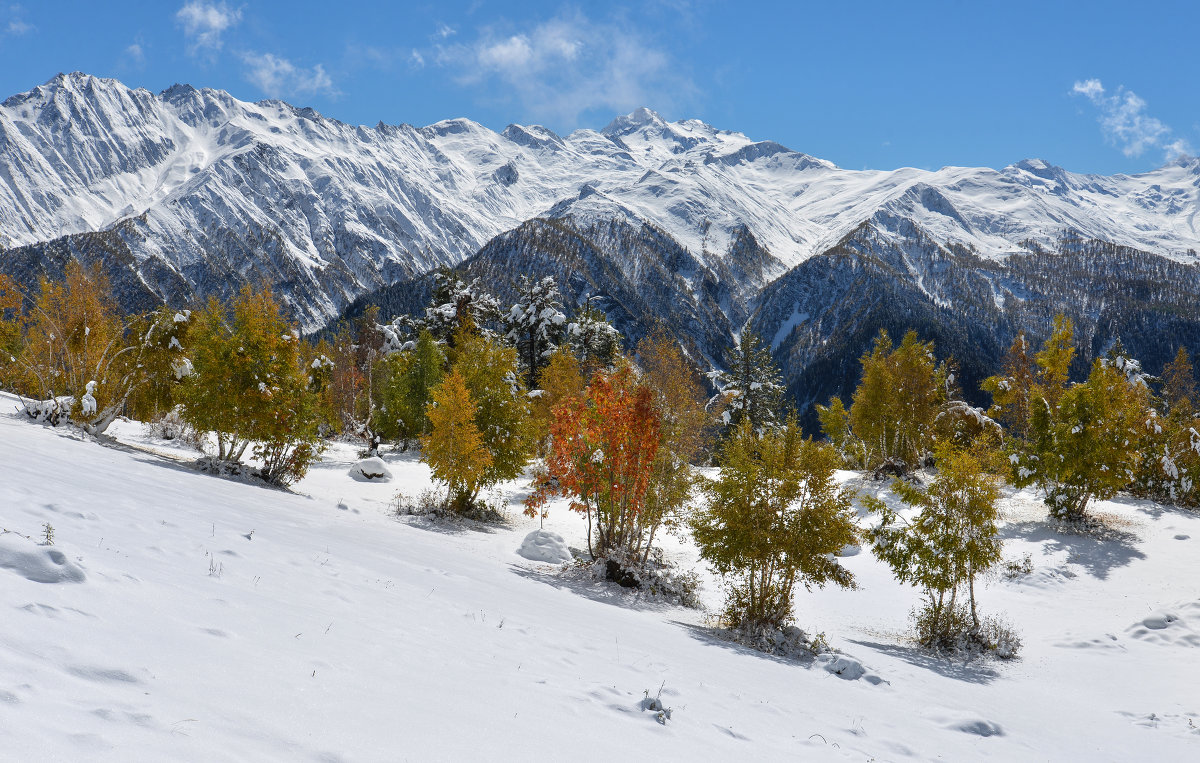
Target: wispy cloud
{"points": [[277, 77], [560, 68], [16, 24], [203, 24], [134, 55], [1125, 123]]}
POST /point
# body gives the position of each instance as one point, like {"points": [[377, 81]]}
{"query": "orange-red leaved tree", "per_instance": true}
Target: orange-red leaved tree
{"points": [[602, 455]]}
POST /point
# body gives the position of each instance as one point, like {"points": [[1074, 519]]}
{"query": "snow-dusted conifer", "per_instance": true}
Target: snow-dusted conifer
{"points": [[536, 325], [752, 387], [593, 340], [405, 380], [458, 304]]}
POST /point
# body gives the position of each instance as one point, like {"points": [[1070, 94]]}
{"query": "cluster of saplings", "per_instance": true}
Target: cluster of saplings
{"points": [[485, 390]]}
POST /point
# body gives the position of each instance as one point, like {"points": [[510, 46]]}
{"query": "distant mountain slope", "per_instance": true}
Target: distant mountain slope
{"points": [[195, 193]]}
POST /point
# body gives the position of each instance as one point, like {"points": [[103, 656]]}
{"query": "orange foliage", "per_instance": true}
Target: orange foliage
{"points": [[602, 455]]}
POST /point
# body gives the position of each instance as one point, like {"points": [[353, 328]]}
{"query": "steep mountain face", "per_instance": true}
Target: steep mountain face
{"points": [[192, 192], [824, 313], [637, 274]]}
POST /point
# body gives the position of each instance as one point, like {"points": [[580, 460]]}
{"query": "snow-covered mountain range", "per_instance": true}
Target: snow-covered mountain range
{"points": [[205, 191], [191, 193]]}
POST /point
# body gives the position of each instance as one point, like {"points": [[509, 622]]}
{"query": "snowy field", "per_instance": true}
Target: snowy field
{"points": [[180, 616]]}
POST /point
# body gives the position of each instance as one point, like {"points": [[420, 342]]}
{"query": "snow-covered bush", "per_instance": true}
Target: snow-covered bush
{"points": [[52, 411], [436, 505], [172, 426], [655, 579]]}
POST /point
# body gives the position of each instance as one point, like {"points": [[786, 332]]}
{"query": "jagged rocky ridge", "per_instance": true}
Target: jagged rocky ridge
{"points": [[190, 193]]}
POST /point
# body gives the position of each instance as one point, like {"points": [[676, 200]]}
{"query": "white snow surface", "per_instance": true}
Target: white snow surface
{"points": [[185, 169], [217, 620]]}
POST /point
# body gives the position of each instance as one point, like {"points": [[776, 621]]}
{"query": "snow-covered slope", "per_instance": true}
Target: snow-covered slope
{"points": [[215, 192], [183, 617]]}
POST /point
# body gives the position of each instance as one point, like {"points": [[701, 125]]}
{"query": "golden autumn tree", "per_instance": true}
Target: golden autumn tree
{"points": [[249, 387], [74, 333], [560, 380], [454, 448], [10, 327], [1012, 390], [602, 456], [685, 428]]}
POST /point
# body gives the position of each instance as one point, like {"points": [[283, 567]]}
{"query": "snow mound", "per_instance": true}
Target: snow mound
{"points": [[846, 668], [371, 470], [545, 546], [41, 564], [1169, 627]]}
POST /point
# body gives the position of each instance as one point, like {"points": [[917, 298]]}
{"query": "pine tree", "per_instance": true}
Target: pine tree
{"points": [[1179, 383], [947, 546], [454, 448], [459, 306], [775, 518], [163, 362], [752, 387], [10, 328], [1084, 448], [593, 340], [1054, 362], [489, 369], [561, 381], [835, 425], [536, 325]]}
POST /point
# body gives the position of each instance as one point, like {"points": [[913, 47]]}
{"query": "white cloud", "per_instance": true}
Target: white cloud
{"points": [[135, 55], [444, 31], [563, 67], [17, 25], [278, 77], [416, 60], [1125, 123], [203, 24]]}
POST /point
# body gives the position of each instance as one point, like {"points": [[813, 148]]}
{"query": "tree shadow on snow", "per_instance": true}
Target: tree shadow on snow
{"points": [[1152, 509], [578, 582], [1099, 548], [712, 637], [976, 672]]}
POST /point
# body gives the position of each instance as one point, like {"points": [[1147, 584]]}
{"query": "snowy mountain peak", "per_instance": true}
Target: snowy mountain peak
{"points": [[635, 120], [1189, 163]]}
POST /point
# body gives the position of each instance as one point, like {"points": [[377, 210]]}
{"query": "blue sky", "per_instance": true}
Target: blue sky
{"points": [[1096, 86]]}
